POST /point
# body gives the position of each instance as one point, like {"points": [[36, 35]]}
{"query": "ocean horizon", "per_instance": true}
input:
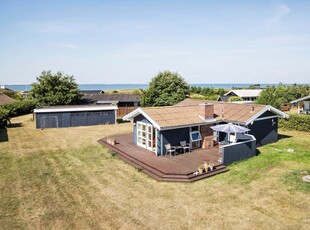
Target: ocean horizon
{"points": [[25, 87]]}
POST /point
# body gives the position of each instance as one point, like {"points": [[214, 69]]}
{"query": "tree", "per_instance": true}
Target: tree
{"points": [[235, 98], [166, 88], [269, 97], [282, 94], [55, 89]]}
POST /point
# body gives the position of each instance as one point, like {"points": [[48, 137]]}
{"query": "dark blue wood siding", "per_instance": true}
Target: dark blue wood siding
{"points": [[265, 131], [158, 142], [238, 152], [174, 137], [68, 119], [142, 119]]}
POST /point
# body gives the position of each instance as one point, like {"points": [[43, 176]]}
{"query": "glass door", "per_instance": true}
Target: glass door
{"points": [[145, 136]]}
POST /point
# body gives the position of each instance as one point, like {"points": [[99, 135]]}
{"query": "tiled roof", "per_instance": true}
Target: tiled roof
{"points": [[113, 97], [187, 113], [4, 99], [174, 115], [245, 92]]}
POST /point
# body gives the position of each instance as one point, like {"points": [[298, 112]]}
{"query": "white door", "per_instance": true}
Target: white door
{"points": [[145, 135]]}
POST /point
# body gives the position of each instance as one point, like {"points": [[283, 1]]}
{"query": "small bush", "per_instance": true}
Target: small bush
{"points": [[296, 122], [4, 117], [20, 107]]}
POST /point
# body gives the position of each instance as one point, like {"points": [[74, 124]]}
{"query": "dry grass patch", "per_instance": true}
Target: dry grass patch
{"points": [[63, 179]]}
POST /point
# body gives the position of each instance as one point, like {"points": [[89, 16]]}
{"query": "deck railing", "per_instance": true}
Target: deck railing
{"points": [[239, 151]]}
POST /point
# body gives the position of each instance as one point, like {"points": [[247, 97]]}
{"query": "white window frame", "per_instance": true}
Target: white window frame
{"points": [[195, 132], [145, 138]]}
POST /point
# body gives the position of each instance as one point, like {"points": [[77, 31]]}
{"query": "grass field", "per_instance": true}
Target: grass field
{"points": [[63, 179]]}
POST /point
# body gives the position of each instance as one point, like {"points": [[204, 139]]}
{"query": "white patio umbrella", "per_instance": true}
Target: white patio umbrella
{"points": [[230, 128]]}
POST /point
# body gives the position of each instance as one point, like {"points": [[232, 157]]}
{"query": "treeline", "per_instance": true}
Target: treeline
{"points": [[282, 94], [207, 93]]}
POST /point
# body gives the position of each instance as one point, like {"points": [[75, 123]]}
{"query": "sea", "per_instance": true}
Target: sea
{"points": [[140, 86]]}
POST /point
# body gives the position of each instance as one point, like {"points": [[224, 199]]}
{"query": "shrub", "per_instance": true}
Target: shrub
{"points": [[235, 98], [20, 107], [296, 122], [4, 117]]}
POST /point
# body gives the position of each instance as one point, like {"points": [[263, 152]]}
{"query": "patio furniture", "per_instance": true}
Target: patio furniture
{"points": [[185, 146], [169, 149]]}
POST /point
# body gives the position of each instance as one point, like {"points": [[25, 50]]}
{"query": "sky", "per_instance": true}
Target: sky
{"points": [[113, 42]]}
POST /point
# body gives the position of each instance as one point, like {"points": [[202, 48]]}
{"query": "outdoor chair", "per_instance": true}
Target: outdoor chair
{"points": [[185, 146], [170, 149]]}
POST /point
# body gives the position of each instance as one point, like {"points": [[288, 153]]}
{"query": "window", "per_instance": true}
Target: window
{"points": [[195, 136]]}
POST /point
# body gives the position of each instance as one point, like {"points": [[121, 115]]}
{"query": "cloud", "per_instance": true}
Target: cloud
{"points": [[280, 11]]}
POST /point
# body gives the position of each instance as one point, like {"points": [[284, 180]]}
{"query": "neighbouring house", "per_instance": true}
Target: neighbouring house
{"points": [[126, 103], [4, 99], [91, 91], [190, 121], [303, 104], [75, 115], [245, 94]]}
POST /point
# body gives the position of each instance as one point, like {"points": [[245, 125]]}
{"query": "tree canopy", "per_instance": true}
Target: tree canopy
{"points": [[166, 88], [235, 98], [55, 89], [276, 96]]}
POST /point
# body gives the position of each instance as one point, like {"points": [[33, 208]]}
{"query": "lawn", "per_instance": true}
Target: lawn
{"points": [[63, 179]]}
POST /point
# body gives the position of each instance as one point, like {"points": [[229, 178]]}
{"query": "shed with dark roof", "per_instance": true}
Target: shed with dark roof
{"points": [[75, 115]]}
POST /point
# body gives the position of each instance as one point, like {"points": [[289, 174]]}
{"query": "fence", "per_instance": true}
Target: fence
{"points": [[122, 111], [239, 151]]}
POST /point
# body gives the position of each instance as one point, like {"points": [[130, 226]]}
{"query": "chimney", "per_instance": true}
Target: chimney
{"points": [[206, 111]]}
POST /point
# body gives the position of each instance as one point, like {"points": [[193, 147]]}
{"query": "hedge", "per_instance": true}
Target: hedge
{"points": [[296, 122], [20, 107]]}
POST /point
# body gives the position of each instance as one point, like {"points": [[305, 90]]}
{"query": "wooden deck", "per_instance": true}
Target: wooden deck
{"points": [[179, 168]]}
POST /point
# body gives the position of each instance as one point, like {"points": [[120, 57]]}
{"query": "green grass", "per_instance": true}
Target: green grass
{"points": [[64, 179], [293, 180]]}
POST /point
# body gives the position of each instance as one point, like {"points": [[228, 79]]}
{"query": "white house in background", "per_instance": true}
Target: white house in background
{"points": [[303, 104], [245, 94]]}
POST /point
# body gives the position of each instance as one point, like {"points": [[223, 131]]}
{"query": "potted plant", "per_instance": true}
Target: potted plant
{"points": [[111, 140], [201, 168], [206, 160]]}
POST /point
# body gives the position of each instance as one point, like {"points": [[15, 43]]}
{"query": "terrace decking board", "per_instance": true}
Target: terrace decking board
{"points": [[179, 168]]}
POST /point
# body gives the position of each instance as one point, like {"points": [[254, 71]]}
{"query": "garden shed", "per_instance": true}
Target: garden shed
{"points": [[75, 115]]}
